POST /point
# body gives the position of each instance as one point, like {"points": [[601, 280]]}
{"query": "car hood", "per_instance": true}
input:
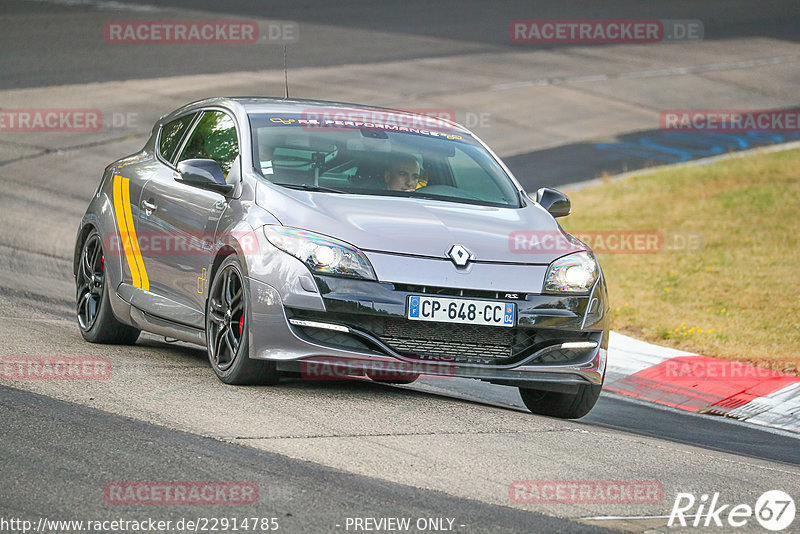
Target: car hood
{"points": [[422, 227]]}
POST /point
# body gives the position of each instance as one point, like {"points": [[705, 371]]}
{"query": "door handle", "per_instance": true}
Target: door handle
{"points": [[148, 206]]}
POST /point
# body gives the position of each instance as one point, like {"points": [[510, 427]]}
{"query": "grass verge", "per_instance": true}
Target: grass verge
{"points": [[726, 282]]}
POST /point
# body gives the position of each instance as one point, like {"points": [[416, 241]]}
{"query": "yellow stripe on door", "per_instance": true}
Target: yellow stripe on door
{"points": [[127, 232]]}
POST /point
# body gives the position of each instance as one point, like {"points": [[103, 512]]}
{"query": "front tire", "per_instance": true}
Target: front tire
{"points": [[561, 405], [96, 320], [227, 328]]}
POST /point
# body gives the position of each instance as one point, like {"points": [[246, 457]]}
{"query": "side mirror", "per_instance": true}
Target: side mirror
{"points": [[205, 174], [554, 201]]}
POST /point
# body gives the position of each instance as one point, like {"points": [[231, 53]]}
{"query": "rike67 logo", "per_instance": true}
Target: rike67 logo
{"points": [[774, 510]]}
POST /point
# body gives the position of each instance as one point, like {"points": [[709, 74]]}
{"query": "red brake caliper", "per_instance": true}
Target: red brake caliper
{"points": [[241, 324], [102, 262]]}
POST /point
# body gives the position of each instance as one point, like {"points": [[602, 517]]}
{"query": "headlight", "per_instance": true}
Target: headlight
{"points": [[320, 253], [575, 273]]}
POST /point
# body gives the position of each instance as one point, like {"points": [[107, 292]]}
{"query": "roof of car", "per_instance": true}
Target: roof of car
{"points": [[259, 104]]}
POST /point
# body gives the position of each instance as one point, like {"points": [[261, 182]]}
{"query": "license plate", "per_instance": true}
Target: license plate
{"points": [[464, 311]]}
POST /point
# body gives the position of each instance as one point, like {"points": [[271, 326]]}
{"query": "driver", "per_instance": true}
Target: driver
{"points": [[402, 173]]}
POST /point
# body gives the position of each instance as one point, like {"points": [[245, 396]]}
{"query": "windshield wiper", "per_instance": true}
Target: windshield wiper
{"points": [[310, 187]]}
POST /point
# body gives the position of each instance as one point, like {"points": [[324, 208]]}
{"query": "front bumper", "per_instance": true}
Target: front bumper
{"points": [[361, 324]]}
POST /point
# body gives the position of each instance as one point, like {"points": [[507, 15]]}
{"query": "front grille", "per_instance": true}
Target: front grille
{"points": [[444, 350], [447, 340]]}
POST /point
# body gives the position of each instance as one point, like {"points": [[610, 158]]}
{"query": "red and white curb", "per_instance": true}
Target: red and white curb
{"points": [[701, 384]]}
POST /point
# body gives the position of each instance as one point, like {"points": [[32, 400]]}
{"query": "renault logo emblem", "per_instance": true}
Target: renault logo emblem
{"points": [[460, 255]]}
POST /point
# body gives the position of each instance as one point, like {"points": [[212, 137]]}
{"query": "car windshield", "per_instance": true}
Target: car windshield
{"points": [[429, 159]]}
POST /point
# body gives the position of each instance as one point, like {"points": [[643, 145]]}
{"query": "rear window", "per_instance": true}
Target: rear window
{"points": [[378, 159]]}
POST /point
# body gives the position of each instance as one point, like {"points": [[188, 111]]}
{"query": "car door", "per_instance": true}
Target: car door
{"points": [[129, 178], [180, 221]]}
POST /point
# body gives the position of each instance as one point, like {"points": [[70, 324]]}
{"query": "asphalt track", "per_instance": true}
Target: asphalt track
{"points": [[321, 452], [360, 31], [55, 42], [298, 494]]}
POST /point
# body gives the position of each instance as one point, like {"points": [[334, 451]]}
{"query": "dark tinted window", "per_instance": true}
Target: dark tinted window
{"points": [[171, 135], [214, 137]]}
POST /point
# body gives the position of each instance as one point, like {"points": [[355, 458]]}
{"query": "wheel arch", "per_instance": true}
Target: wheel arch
{"points": [[83, 233], [221, 256]]}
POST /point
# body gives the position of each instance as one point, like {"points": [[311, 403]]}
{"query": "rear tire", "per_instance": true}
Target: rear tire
{"points": [[96, 319], [562, 405], [227, 328]]}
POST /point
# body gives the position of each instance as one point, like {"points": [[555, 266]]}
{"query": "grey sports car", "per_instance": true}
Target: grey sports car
{"points": [[338, 241]]}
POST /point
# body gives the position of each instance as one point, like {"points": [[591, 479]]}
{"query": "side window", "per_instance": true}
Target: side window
{"points": [[214, 137], [171, 135], [474, 179]]}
